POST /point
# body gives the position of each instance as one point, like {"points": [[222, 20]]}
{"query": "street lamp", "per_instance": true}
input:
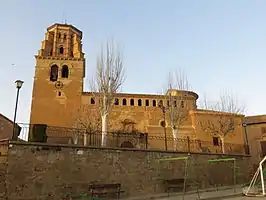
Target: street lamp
{"points": [[163, 108], [19, 84], [246, 138]]}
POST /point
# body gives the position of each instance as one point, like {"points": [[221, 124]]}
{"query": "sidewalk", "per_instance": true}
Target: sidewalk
{"points": [[211, 194]]}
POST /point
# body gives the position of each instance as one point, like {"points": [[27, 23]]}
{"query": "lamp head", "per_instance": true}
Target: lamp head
{"points": [[19, 84]]}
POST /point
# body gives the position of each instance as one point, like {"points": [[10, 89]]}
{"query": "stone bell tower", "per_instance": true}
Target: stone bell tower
{"points": [[59, 74]]}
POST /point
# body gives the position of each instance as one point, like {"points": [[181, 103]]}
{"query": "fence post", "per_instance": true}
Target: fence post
{"points": [[188, 144]]}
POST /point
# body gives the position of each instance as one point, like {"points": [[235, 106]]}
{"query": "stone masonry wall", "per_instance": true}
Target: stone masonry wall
{"points": [[41, 172], [3, 165]]}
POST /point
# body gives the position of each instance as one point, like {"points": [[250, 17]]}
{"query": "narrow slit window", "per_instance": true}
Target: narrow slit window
{"points": [[147, 102], [182, 104], [139, 102], [132, 102], [116, 101], [92, 100], [124, 102], [154, 103]]}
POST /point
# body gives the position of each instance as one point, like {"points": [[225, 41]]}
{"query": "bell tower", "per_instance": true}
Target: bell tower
{"points": [[59, 74]]}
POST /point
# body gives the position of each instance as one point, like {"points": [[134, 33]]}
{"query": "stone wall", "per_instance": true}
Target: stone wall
{"points": [[3, 167], [41, 171]]}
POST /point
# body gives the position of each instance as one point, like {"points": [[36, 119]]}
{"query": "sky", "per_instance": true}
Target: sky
{"points": [[220, 45]]}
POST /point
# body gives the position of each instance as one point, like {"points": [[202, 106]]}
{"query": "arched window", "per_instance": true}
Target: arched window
{"points": [[59, 35], [139, 102], [65, 71], [132, 102], [92, 100], [147, 102], [154, 103], [124, 102], [116, 101], [54, 73], [61, 50], [65, 36]]}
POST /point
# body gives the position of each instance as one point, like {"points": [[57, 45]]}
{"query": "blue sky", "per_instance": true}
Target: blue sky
{"points": [[221, 44]]}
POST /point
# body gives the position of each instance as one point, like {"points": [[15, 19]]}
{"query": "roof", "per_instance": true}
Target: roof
{"points": [[3, 116], [256, 119], [65, 25], [7, 119], [190, 94]]}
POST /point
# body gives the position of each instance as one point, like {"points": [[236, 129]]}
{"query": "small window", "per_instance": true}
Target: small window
{"points": [[116, 101], [132, 102], [182, 104], [147, 102], [168, 103], [65, 36], [215, 141], [139, 102], [154, 103], [59, 35], [54, 73], [160, 103], [92, 100], [61, 50], [65, 71], [124, 102], [175, 105], [59, 94]]}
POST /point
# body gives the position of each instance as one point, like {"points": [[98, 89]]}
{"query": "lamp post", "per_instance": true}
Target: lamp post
{"points": [[163, 108], [246, 139], [19, 84]]}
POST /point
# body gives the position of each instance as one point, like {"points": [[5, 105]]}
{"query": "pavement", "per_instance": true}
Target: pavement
{"points": [[212, 194]]}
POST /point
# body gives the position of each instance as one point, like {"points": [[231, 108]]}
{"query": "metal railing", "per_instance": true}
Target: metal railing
{"points": [[118, 139]]}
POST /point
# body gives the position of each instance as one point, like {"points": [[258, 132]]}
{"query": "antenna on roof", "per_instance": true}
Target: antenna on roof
{"points": [[64, 20]]}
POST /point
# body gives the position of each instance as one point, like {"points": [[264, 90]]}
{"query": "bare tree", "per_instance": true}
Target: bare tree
{"points": [[85, 125], [175, 96], [225, 121], [109, 79]]}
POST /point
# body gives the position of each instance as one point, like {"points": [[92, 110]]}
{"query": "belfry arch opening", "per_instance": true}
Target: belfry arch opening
{"points": [[54, 73], [65, 71], [61, 50]]}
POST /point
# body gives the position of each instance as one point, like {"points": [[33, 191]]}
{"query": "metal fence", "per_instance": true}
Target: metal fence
{"points": [[137, 140]]}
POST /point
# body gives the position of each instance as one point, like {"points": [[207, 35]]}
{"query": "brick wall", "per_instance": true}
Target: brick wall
{"points": [[40, 171]]}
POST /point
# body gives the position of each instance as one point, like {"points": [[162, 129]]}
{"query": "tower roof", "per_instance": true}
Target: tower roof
{"points": [[57, 25]]}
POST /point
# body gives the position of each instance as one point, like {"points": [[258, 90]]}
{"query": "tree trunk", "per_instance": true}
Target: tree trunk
{"points": [[222, 143], [174, 132], [85, 139], [104, 130]]}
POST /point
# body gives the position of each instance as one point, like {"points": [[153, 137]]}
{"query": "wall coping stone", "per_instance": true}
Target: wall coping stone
{"points": [[39, 144]]}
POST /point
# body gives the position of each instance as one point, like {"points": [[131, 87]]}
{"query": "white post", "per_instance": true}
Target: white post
{"points": [[261, 175]]}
